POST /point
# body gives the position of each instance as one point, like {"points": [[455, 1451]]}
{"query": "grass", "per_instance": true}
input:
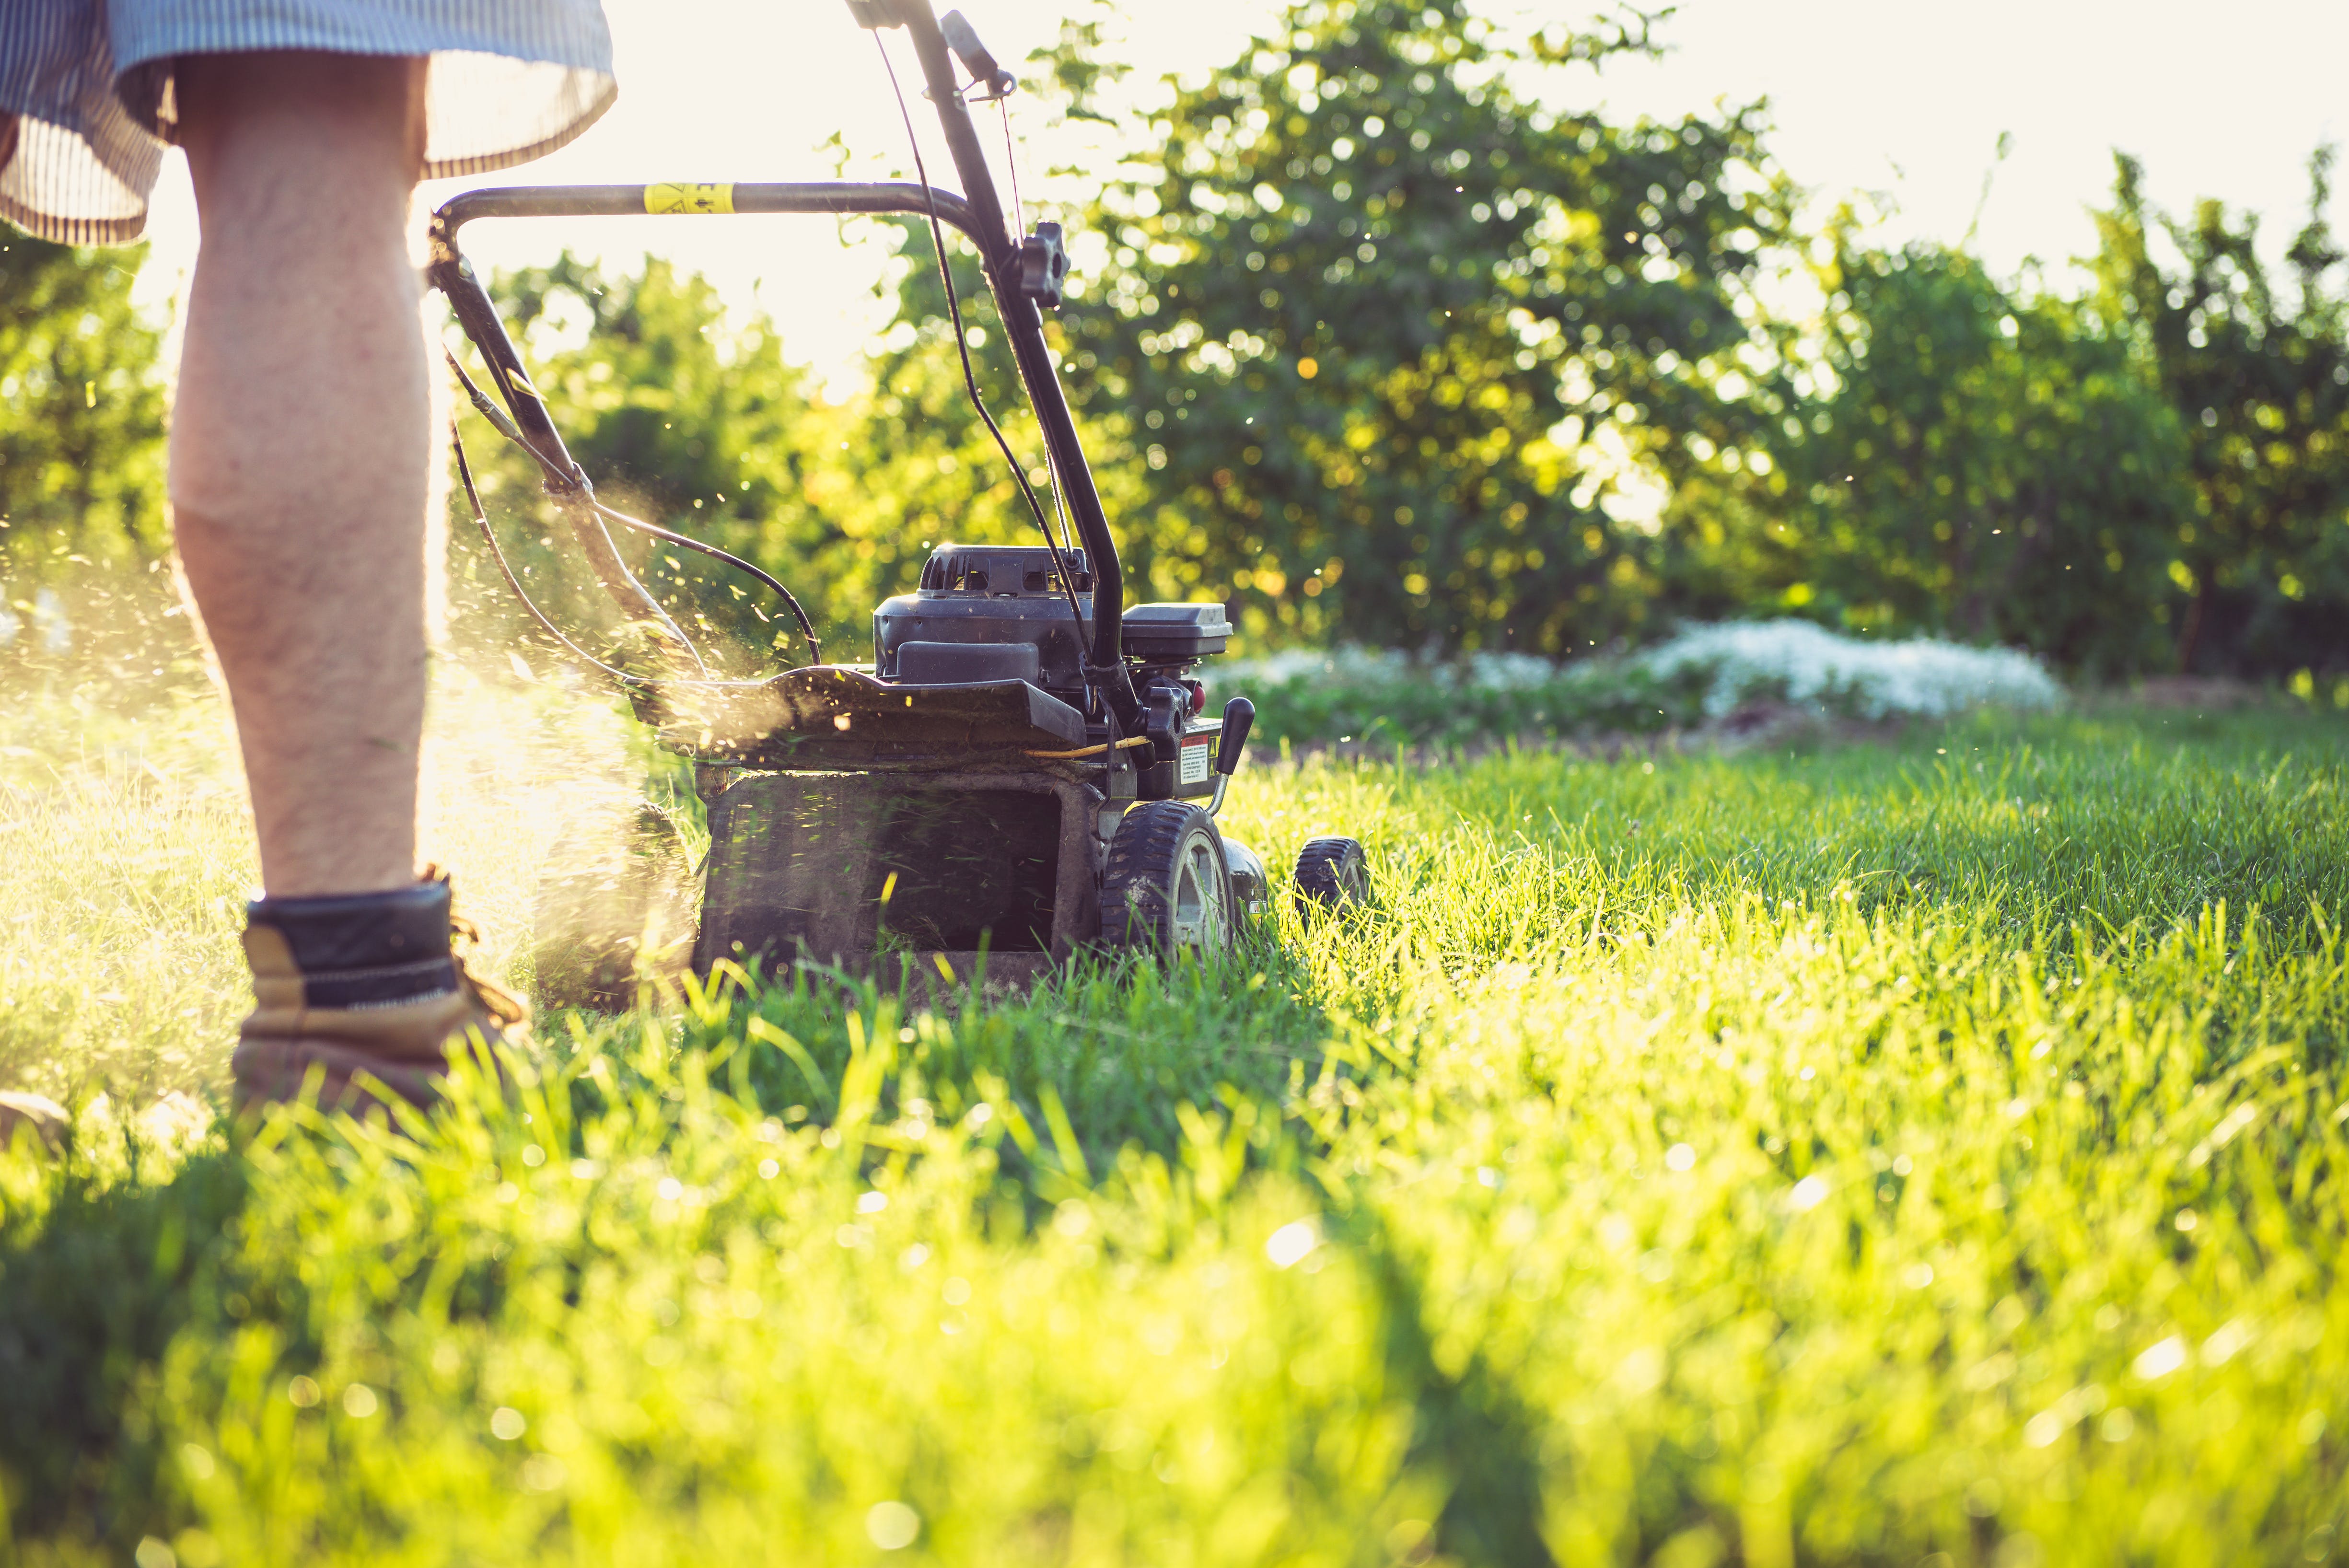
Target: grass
{"points": [[1929, 1151]]}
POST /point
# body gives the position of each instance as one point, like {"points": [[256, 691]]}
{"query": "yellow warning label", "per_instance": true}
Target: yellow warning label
{"points": [[688, 198]]}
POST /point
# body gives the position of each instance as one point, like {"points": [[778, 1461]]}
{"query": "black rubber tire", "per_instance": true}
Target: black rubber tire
{"points": [[1332, 874], [1164, 888]]}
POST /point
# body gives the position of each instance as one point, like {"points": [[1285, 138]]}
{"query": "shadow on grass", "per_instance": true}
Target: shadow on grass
{"points": [[95, 1276], [1472, 1430], [1112, 1048]]}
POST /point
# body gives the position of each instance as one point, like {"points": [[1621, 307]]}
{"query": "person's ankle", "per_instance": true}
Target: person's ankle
{"points": [[351, 951], [361, 1000]]}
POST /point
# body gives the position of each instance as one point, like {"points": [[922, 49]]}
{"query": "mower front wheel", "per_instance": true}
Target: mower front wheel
{"points": [[1164, 889], [1332, 874]]}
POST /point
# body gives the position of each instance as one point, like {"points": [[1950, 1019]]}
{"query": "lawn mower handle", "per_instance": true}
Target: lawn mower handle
{"points": [[977, 213], [1023, 323]]}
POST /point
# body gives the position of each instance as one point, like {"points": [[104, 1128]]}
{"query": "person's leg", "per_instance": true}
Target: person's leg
{"points": [[301, 445], [300, 468]]}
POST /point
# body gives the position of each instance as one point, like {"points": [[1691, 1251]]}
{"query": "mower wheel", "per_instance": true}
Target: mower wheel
{"points": [[1332, 874], [1164, 889]]}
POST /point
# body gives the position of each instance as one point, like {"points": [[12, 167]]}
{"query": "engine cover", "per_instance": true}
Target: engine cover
{"points": [[989, 599], [985, 598]]}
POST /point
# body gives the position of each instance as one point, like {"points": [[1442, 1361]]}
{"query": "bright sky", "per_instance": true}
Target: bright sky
{"points": [[1866, 96]]}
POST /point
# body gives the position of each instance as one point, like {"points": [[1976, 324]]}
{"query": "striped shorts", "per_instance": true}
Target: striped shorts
{"points": [[86, 104]]}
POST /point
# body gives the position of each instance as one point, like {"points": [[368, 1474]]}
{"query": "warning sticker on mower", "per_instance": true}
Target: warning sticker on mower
{"points": [[677, 198], [1195, 761]]}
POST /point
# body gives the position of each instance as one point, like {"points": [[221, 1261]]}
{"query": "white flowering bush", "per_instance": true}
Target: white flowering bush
{"points": [[1803, 663], [1704, 673]]}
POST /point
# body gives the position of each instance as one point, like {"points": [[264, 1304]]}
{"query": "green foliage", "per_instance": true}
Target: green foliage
{"points": [[923, 463], [2153, 477], [1344, 698], [1840, 1156], [685, 419], [81, 412], [2258, 375], [1949, 457], [697, 422], [1370, 327], [1367, 332]]}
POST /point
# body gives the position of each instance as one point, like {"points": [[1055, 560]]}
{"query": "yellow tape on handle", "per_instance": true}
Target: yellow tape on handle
{"points": [[688, 198]]}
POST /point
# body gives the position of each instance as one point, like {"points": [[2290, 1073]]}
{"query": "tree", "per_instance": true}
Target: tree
{"points": [[2259, 379], [81, 413], [923, 462], [1364, 313], [1938, 454], [1365, 336], [683, 419]]}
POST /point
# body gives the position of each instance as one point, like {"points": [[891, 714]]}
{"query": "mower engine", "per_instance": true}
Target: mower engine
{"points": [[1004, 615]]}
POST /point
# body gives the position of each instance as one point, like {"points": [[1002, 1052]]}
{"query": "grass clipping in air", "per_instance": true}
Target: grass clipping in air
{"points": [[1850, 1156]]}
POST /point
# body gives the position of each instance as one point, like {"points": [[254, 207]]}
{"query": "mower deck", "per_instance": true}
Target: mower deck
{"points": [[848, 868]]}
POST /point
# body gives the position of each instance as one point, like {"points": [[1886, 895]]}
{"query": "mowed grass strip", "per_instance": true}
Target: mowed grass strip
{"points": [[1847, 1155]]}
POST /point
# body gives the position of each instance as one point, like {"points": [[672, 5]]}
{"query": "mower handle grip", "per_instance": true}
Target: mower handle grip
{"points": [[963, 39], [1239, 715]]}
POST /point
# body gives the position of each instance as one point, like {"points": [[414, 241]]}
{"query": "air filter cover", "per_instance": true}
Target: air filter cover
{"points": [[1156, 632]]}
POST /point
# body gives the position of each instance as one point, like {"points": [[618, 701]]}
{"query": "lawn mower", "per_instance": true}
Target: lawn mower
{"points": [[1023, 771]]}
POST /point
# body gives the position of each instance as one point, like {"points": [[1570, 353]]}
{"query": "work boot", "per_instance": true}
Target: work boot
{"points": [[364, 984]]}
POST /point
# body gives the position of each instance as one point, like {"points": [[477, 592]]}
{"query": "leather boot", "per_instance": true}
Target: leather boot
{"points": [[364, 984]]}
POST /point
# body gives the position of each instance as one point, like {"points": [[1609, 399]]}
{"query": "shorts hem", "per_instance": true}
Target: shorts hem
{"points": [[489, 163], [164, 47], [60, 230]]}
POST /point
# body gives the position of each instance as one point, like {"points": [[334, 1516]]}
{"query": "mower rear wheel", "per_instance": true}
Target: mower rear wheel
{"points": [[1332, 874], [1165, 889]]}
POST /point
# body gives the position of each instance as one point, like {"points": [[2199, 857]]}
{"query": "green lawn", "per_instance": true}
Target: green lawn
{"points": [[1927, 1150]]}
